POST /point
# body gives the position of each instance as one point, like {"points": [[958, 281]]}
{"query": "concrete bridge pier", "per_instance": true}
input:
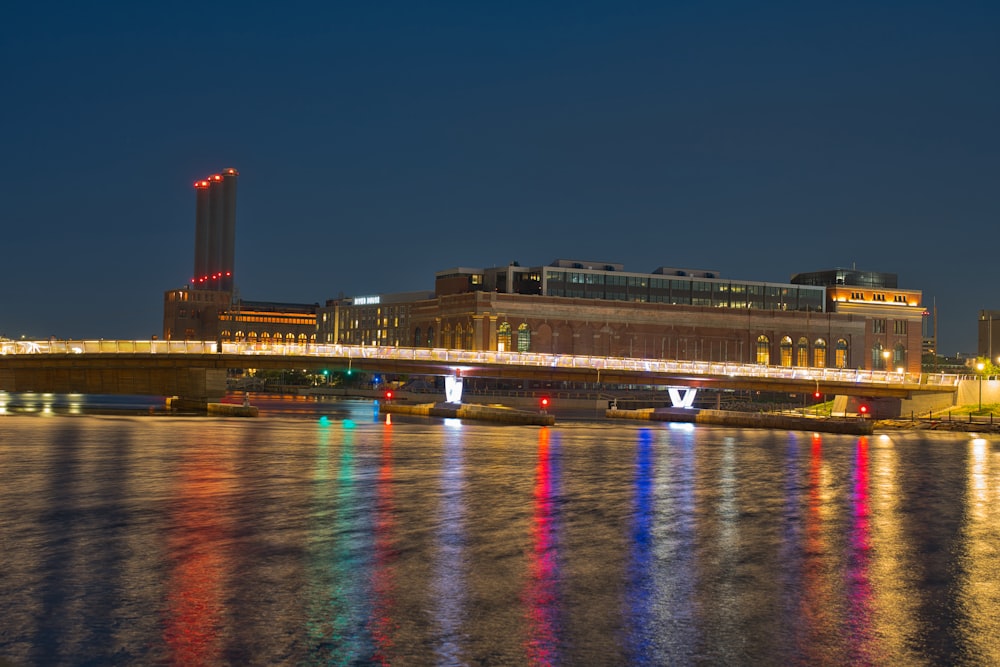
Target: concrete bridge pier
{"points": [[199, 386]]}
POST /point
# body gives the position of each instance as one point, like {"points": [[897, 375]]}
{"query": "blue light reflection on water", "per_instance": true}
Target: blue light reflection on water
{"points": [[193, 540]]}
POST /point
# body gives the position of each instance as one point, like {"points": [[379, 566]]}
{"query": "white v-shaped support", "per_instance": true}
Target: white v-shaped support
{"points": [[679, 400], [452, 389]]}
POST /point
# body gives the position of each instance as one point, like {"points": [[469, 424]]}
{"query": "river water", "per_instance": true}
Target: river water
{"points": [[324, 533]]}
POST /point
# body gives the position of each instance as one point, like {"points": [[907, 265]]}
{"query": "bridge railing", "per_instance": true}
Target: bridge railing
{"points": [[108, 347], [477, 357]]}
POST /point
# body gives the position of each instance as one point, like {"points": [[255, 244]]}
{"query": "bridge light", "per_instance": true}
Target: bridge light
{"points": [[863, 410], [816, 395], [388, 395], [544, 403]]}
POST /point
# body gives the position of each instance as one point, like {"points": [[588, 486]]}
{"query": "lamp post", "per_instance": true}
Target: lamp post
{"points": [[979, 367], [885, 355]]}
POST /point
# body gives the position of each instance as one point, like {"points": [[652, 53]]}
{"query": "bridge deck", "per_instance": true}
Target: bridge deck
{"points": [[124, 355]]}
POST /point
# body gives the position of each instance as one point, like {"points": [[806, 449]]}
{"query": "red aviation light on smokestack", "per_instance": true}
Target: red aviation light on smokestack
{"points": [[201, 184]]}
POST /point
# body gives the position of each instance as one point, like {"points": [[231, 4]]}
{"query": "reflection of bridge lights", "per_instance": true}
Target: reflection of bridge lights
{"points": [[681, 426], [3, 402]]}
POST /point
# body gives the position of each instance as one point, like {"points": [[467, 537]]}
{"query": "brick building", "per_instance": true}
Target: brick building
{"points": [[575, 307]]}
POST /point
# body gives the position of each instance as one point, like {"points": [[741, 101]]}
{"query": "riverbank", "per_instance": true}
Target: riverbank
{"points": [[489, 413], [852, 426]]}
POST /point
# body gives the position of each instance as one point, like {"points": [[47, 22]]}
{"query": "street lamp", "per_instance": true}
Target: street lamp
{"points": [[885, 355], [979, 367]]}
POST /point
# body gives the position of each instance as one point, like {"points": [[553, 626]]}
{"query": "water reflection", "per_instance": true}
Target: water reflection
{"points": [[449, 572], [347, 541], [542, 592], [382, 623], [197, 559], [979, 594]]}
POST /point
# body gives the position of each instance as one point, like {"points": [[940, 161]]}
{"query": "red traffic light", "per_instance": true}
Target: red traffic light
{"points": [[388, 395], [544, 402], [816, 394], [863, 409]]}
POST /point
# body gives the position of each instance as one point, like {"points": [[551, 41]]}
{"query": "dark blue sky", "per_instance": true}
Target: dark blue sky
{"points": [[378, 144]]}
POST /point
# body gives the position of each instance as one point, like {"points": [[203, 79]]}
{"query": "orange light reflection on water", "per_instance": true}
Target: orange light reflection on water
{"points": [[199, 564]]}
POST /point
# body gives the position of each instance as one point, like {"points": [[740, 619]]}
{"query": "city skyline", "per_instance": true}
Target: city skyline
{"points": [[379, 145]]}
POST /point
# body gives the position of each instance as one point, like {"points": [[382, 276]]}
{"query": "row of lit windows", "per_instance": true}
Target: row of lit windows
{"points": [[688, 292], [271, 319], [880, 296], [798, 354], [266, 336]]}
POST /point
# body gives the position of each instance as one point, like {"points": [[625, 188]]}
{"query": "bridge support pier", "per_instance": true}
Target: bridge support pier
{"points": [[452, 389], [200, 385]]}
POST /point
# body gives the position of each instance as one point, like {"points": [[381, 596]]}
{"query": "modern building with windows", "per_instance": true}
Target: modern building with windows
{"points": [[894, 317], [381, 319]]}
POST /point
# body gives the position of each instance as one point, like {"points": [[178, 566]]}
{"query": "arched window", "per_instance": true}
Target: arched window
{"points": [[899, 356], [459, 337], [303, 338], [878, 359], [470, 338], [225, 335], [840, 354], [786, 351], [430, 336], [279, 338], [802, 352], [446, 336], [819, 353], [523, 337], [503, 337], [416, 337], [252, 337], [240, 335], [763, 350]]}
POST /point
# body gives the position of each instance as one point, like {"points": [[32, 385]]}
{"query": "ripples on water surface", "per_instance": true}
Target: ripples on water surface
{"points": [[345, 539]]}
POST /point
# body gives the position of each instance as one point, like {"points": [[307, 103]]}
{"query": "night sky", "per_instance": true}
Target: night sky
{"points": [[381, 142]]}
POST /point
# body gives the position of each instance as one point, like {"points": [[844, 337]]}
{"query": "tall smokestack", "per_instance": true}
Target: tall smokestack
{"points": [[200, 235], [228, 232], [215, 208]]}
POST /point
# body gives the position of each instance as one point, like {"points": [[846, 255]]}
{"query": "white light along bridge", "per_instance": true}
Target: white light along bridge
{"points": [[196, 369]]}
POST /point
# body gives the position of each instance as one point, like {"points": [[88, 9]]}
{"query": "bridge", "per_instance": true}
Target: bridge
{"points": [[197, 369]]}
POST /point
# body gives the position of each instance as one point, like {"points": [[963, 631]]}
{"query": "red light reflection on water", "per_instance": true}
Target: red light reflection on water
{"points": [[541, 596], [195, 601], [382, 624], [859, 585], [816, 593]]}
